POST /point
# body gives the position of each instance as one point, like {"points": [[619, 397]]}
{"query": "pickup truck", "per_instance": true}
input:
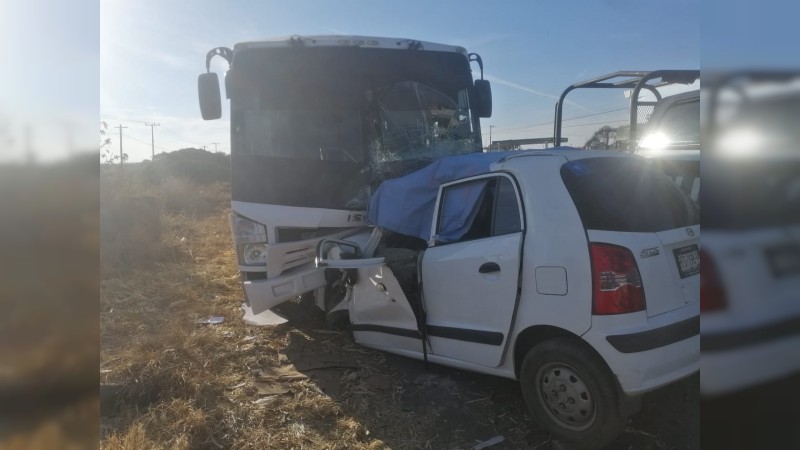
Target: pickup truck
{"points": [[575, 272], [664, 129], [672, 139]]}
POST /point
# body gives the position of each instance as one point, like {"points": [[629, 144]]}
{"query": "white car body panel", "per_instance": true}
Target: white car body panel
{"points": [[377, 300], [457, 296], [663, 293], [754, 339], [642, 371]]}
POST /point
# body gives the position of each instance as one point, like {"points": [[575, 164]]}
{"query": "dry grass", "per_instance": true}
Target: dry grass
{"points": [[177, 384]]}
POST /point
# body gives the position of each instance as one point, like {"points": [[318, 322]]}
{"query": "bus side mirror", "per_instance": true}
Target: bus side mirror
{"points": [[483, 94], [208, 92], [228, 84]]}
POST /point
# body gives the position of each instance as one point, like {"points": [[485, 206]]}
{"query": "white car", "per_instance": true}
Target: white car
{"points": [[751, 244], [574, 272]]}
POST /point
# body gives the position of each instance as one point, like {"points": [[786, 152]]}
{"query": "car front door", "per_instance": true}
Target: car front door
{"points": [[471, 272]]}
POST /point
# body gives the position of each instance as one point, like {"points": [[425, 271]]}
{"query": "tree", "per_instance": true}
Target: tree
{"points": [[604, 138]]}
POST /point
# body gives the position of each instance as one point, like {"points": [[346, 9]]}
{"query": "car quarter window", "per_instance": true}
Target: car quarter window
{"points": [[506, 212], [478, 209]]}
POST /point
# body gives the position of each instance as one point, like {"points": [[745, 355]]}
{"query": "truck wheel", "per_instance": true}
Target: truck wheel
{"points": [[571, 392]]}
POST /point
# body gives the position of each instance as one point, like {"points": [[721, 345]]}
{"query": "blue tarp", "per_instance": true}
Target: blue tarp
{"points": [[405, 204]]}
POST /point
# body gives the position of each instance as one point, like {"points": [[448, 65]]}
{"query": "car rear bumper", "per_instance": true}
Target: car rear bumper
{"points": [[655, 338], [740, 357], [646, 357]]}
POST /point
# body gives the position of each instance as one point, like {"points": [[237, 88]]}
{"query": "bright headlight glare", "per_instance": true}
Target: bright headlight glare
{"points": [[255, 254], [655, 141], [246, 231]]}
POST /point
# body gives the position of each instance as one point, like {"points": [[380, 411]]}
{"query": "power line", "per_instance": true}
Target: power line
{"points": [[145, 142], [179, 138], [550, 123], [568, 126]]}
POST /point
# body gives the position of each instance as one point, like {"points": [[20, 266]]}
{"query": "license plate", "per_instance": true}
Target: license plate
{"points": [[688, 260]]}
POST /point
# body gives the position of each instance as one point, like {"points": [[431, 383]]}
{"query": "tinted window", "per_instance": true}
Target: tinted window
{"points": [[622, 194], [506, 215], [750, 193]]}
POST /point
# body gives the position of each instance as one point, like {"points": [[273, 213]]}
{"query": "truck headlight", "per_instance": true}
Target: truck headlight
{"points": [[255, 254]]}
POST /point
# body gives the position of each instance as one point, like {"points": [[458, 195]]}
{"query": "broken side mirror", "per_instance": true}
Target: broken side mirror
{"points": [[208, 92], [483, 94]]}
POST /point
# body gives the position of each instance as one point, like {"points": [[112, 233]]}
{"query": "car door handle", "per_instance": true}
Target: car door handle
{"points": [[489, 267]]}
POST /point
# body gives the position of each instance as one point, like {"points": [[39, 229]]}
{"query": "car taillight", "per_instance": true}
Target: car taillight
{"points": [[712, 293], [616, 282]]}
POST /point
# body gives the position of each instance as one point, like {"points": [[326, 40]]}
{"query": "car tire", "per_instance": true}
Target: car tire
{"points": [[571, 392]]}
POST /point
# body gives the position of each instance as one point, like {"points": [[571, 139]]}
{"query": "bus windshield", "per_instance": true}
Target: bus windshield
{"points": [[346, 118]]}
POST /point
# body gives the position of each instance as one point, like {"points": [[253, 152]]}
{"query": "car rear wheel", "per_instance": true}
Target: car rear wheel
{"points": [[572, 393]]}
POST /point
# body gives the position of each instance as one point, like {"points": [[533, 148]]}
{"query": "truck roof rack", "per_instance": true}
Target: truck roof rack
{"points": [[628, 79], [716, 81]]}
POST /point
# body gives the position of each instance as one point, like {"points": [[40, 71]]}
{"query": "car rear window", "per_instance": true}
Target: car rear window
{"points": [[627, 194], [750, 193]]}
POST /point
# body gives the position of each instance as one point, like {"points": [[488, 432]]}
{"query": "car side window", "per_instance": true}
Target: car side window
{"points": [[506, 212], [478, 209]]}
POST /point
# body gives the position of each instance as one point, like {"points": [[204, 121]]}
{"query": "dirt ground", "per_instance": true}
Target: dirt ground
{"points": [[169, 382]]}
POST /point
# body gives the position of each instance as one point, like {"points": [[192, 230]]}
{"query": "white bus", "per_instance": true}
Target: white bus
{"points": [[317, 122]]}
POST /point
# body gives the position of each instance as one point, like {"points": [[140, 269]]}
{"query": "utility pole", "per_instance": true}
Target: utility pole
{"points": [[121, 158], [490, 136], [215, 146], [152, 139]]}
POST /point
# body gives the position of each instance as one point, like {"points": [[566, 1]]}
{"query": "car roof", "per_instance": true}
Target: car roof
{"points": [[570, 153]]}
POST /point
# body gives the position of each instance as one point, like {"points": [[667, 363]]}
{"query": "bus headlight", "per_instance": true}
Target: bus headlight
{"points": [[246, 231], [250, 238]]}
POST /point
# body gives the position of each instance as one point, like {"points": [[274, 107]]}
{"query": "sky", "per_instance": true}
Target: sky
{"points": [[150, 52], [49, 97]]}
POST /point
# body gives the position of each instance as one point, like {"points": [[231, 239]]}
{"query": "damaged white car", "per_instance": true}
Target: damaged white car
{"points": [[575, 272]]}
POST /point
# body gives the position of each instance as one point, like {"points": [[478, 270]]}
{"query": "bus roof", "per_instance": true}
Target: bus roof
{"points": [[347, 41]]}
